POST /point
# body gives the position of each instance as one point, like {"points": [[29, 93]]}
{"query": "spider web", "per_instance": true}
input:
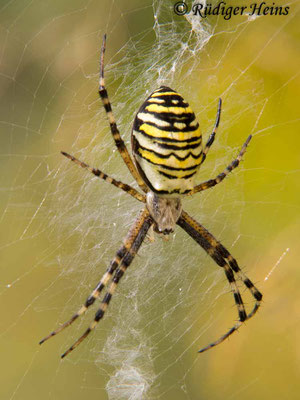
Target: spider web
{"points": [[61, 226]]}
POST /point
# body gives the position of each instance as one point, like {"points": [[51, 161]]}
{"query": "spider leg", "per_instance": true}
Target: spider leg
{"points": [[212, 182], [224, 259], [113, 125], [127, 188], [120, 255], [240, 274], [145, 222], [213, 134]]}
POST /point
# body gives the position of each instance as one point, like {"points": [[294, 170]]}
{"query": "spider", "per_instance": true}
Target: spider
{"points": [[167, 153]]}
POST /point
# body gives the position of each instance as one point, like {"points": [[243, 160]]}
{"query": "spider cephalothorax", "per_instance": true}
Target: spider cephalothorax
{"points": [[167, 149], [165, 212]]}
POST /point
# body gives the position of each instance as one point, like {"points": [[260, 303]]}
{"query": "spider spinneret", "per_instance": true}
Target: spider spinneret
{"points": [[167, 150]]}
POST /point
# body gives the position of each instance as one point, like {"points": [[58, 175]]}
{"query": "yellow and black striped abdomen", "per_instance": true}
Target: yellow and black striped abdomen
{"points": [[167, 143]]}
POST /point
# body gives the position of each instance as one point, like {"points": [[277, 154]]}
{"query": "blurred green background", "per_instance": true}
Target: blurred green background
{"points": [[60, 227]]}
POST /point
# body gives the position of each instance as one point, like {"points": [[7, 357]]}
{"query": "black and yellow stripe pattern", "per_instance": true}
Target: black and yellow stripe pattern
{"points": [[167, 143], [167, 147]]}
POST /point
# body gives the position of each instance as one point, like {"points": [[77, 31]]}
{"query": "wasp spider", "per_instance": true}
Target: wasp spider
{"points": [[167, 152]]}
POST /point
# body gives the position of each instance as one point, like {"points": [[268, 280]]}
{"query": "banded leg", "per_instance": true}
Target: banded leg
{"points": [[213, 134], [224, 259], [113, 125], [240, 275], [120, 255], [126, 261], [127, 188], [224, 253], [213, 182]]}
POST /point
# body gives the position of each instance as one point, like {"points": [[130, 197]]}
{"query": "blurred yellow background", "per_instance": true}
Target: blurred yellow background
{"points": [[60, 227]]}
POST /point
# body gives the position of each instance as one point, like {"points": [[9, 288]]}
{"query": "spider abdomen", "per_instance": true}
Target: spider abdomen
{"points": [[167, 143]]}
